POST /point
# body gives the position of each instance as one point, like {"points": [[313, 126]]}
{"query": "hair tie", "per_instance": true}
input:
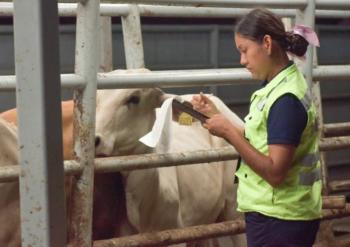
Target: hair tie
{"points": [[307, 33]]}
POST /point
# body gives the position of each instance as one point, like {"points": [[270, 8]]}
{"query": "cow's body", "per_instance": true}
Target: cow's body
{"points": [[171, 197], [67, 126], [10, 234], [184, 195]]}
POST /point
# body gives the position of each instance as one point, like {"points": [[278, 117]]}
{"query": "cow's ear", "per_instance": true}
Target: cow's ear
{"points": [[166, 96], [159, 97]]}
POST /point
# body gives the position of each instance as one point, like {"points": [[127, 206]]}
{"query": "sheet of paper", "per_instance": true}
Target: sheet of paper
{"points": [[161, 131]]}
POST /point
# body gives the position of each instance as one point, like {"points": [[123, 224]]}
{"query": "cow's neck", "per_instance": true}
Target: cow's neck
{"points": [[148, 193]]}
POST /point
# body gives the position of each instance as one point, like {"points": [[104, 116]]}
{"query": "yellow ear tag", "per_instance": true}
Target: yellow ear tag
{"points": [[185, 119]]}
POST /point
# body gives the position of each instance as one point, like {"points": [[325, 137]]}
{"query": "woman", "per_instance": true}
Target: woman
{"points": [[279, 175]]}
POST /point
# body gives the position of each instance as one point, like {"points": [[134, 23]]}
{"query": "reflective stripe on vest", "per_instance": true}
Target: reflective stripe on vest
{"points": [[308, 178], [306, 100], [261, 104], [310, 159]]}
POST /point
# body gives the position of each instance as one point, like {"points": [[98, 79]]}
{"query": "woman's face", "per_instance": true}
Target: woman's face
{"points": [[254, 56]]}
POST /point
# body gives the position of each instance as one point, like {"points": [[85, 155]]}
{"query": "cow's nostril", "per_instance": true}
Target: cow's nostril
{"points": [[97, 141]]}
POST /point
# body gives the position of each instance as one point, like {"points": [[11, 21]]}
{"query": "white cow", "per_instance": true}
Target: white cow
{"points": [[10, 234], [164, 198]]}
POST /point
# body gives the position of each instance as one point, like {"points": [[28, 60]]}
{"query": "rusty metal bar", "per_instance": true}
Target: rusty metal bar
{"points": [[337, 129], [342, 241], [175, 236], [135, 162], [86, 65], [132, 162], [196, 232], [333, 202], [329, 214], [340, 185], [307, 17], [335, 143]]}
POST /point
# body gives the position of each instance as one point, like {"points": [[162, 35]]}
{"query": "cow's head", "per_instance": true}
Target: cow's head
{"points": [[122, 117]]}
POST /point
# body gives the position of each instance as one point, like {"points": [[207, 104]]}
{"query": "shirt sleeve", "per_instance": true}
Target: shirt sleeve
{"points": [[286, 121]]}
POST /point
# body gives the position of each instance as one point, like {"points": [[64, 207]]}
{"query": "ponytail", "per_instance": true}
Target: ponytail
{"points": [[295, 44]]}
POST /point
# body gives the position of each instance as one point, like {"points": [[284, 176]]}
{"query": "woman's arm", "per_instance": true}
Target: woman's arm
{"points": [[272, 167]]}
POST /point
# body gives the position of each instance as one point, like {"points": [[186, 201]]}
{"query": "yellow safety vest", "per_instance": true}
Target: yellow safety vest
{"points": [[299, 197]]}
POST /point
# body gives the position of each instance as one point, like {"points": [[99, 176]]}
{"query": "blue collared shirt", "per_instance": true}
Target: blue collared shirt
{"points": [[287, 119]]}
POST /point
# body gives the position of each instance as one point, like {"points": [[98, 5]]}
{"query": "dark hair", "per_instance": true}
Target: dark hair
{"points": [[260, 22]]}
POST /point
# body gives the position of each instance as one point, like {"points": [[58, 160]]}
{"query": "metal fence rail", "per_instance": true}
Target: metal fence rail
{"points": [[336, 4], [296, 4], [204, 77], [70, 10], [73, 81], [175, 236], [179, 78], [147, 161], [336, 129]]}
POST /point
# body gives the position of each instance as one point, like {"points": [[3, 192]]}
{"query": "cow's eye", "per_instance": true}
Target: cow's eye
{"points": [[133, 100]]}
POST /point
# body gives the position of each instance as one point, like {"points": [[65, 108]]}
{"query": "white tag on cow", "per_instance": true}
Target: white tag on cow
{"points": [[161, 130]]}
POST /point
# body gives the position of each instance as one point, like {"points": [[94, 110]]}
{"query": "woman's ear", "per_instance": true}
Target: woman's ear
{"points": [[267, 44]]}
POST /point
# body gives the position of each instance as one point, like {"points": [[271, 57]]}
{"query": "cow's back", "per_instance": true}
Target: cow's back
{"points": [[67, 126], [9, 192]]}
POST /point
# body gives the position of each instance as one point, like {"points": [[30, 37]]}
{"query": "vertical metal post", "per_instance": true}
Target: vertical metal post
{"points": [[86, 65], [106, 54], [307, 17], [317, 98], [132, 35], [214, 49], [40, 131], [287, 23]]}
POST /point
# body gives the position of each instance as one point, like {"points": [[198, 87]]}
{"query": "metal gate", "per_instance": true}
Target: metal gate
{"points": [[36, 56]]}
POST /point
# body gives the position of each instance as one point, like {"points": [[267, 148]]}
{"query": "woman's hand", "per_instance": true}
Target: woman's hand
{"points": [[204, 105], [219, 125]]}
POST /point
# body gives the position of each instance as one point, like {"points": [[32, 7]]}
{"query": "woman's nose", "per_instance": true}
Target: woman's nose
{"points": [[243, 61]]}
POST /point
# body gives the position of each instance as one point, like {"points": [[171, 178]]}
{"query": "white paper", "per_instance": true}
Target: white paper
{"points": [[161, 130]]}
